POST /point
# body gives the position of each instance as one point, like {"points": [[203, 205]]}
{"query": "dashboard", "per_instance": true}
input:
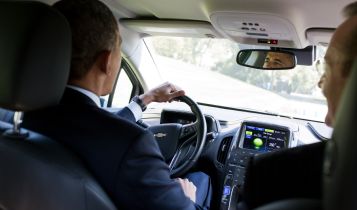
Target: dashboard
{"points": [[184, 118], [253, 138], [234, 137]]}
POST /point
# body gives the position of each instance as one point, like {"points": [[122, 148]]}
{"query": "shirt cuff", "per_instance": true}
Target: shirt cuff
{"points": [[136, 110]]}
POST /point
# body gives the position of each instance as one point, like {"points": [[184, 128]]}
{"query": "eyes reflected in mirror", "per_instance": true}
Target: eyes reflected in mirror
{"points": [[266, 59]]}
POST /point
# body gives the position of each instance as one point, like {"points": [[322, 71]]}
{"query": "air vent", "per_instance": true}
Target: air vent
{"points": [[223, 149]]}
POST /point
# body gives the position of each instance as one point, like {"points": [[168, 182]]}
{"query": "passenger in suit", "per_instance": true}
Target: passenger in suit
{"points": [[122, 156], [294, 163]]}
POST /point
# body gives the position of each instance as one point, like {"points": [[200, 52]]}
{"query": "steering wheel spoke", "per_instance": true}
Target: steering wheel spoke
{"points": [[184, 152], [188, 130]]}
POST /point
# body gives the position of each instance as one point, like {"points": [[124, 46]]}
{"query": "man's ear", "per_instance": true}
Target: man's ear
{"points": [[103, 61]]}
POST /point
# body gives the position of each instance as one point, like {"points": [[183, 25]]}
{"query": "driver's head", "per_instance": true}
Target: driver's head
{"points": [[338, 61], [276, 60], [95, 42]]}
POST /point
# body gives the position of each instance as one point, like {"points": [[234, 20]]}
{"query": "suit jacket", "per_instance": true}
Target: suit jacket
{"points": [[124, 158], [288, 173], [127, 114]]}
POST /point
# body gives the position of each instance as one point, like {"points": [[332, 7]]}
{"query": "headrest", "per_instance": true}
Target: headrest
{"points": [[35, 54], [340, 166]]}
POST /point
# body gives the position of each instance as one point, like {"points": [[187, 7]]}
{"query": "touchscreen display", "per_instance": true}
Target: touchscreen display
{"points": [[264, 139]]}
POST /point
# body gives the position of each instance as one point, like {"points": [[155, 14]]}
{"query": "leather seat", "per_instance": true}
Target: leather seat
{"points": [[340, 163], [6, 115], [37, 173]]}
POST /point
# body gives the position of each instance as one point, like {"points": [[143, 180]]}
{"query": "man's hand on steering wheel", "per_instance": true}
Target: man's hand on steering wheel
{"points": [[165, 92]]}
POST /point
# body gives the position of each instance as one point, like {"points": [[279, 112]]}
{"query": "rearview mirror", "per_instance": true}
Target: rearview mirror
{"points": [[266, 59]]}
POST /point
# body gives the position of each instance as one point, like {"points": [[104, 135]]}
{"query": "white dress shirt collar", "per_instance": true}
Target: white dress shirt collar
{"points": [[88, 93], [133, 106]]}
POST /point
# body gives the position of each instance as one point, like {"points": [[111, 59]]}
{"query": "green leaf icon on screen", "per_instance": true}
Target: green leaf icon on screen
{"points": [[258, 143]]}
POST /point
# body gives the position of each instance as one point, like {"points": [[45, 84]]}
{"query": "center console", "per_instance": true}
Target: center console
{"points": [[252, 138]]}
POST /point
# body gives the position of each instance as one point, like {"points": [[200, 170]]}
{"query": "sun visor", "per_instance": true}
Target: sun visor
{"points": [[198, 29], [318, 36], [256, 29]]}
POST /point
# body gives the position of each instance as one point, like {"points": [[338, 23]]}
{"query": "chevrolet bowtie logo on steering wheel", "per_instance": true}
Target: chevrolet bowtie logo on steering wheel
{"points": [[160, 135]]}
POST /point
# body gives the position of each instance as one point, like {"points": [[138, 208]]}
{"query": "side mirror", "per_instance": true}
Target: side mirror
{"points": [[266, 59]]}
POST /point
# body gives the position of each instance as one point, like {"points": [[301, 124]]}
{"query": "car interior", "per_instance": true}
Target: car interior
{"points": [[239, 114]]}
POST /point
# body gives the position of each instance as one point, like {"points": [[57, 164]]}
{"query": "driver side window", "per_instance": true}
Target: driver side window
{"points": [[123, 90], [126, 87]]}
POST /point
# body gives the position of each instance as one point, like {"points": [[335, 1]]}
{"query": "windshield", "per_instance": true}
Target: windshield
{"points": [[207, 70]]}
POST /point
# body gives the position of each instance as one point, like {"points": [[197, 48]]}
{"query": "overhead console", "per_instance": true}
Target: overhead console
{"points": [[256, 29], [253, 138]]}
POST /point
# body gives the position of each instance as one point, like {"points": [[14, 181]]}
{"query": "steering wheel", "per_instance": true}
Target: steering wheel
{"points": [[180, 144]]}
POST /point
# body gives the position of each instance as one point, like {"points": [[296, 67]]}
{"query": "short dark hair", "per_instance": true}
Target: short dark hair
{"points": [[350, 10], [94, 29]]}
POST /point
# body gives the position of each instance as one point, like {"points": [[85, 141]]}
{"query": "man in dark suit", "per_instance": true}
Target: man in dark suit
{"points": [[123, 157], [304, 164]]}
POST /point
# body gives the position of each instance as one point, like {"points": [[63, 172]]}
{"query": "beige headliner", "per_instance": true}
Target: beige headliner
{"points": [[309, 13], [303, 14]]}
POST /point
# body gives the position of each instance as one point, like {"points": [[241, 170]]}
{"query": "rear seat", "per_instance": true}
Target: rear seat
{"points": [[6, 115]]}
